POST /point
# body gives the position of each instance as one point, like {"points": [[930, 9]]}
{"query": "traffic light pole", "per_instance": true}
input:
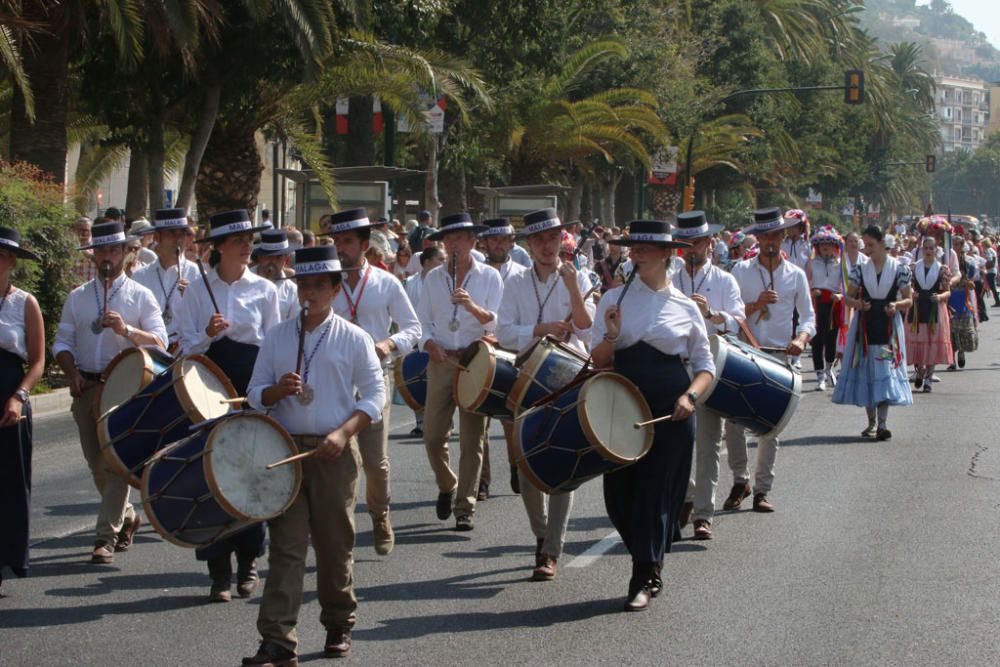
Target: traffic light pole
{"points": [[688, 196]]}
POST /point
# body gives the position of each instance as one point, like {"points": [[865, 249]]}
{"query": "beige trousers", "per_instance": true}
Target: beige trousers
{"points": [[324, 511], [114, 490], [373, 442], [437, 424]]}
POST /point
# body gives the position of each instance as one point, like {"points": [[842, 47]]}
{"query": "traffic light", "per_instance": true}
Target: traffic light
{"points": [[689, 195], [854, 86], [930, 163]]}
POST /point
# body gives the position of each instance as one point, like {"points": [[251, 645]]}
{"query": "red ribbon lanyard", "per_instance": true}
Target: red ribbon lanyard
{"points": [[353, 305]]}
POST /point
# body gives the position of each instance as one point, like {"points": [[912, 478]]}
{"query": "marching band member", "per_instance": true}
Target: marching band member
{"points": [[169, 276], [339, 392], [772, 289], [545, 300], [431, 258], [498, 240], [874, 372], [646, 333], [230, 335], [717, 296], [100, 319], [374, 300], [458, 306], [22, 342], [928, 341], [825, 277], [271, 256]]}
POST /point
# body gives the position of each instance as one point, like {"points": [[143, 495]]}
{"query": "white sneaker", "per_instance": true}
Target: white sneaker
{"points": [[797, 364], [831, 379], [820, 380]]}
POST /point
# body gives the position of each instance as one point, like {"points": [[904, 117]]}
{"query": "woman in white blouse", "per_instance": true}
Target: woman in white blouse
{"points": [[22, 342], [649, 332]]}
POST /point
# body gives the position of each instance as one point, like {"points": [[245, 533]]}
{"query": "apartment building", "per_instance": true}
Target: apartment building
{"points": [[963, 112]]}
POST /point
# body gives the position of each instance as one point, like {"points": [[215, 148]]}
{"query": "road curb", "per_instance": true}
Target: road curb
{"points": [[54, 401]]}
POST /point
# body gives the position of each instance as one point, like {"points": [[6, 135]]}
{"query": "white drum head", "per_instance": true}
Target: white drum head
{"points": [[473, 383], [203, 391], [125, 379], [240, 448], [611, 405]]}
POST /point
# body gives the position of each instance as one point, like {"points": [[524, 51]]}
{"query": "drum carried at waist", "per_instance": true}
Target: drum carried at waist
{"points": [[751, 388], [585, 431], [215, 482], [544, 368], [410, 374], [191, 391], [484, 380], [127, 374]]}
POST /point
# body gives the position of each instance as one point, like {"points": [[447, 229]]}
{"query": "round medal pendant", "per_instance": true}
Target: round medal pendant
{"points": [[453, 326], [167, 317], [307, 396], [96, 327], [765, 314]]}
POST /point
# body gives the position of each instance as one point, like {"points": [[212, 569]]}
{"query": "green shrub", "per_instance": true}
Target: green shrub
{"points": [[35, 205]]}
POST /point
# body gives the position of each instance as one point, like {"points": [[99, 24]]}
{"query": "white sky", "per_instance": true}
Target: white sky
{"points": [[983, 14]]}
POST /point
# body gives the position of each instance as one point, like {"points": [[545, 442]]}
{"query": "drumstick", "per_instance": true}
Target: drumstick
{"points": [[233, 401], [628, 282], [456, 364], [586, 296], [105, 272], [291, 459], [664, 418], [208, 288], [302, 337]]}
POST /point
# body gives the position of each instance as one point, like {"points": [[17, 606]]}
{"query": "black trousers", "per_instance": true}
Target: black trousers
{"points": [[15, 472], [824, 343]]}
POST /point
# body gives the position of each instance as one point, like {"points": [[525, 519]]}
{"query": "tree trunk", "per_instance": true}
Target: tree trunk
{"points": [[138, 182], [431, 201], [156, 155], [43, 143], [199, 140], [229, 175], [360, 132], [83, 203], [586, 204], [574, 197]]}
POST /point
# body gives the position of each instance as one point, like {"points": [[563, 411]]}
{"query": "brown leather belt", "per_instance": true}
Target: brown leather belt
{"points": [[308, 441], [93, 377]]}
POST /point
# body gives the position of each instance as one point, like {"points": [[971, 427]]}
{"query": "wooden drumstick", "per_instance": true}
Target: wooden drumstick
{"points": [[233, 401], [302, 337], [664, 418], [208, 288], [291, 459], [628, 283]]}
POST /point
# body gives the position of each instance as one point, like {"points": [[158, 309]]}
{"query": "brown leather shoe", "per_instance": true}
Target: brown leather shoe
{"points": [[338, 643], [638, 597], [219, 592], [685, 516], [247, 579], [739, 493], [761, 503], [271, 655], [385, 539], [484, 491], [702, 529], [104, 553], [545, 568], [128, 531]]}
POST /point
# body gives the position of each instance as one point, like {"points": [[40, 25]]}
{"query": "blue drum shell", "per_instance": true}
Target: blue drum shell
{"points": [[411, 379], [187, 513]]}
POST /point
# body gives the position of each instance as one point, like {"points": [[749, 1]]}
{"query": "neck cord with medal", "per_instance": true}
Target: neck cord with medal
{"points": [[697, 290], [167, 315], [765, 314], [538, 297], [96, 326], [307, 395], [454, 325], [352, 306]]}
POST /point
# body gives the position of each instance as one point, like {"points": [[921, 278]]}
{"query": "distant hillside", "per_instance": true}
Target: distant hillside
{"points": [[951, 43]]}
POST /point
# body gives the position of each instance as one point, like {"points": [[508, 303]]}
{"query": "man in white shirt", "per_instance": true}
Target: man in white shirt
{"points": [[375, 300], [169, 276], [772, 290], [93, 329], [271, 256], [545, 300], [717, 296], [498, 242], [458, 307]]}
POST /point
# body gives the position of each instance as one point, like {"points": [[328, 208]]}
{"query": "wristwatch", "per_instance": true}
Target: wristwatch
{"points": [[693, 395], [22, 395], [710, 314], [129, 331]]}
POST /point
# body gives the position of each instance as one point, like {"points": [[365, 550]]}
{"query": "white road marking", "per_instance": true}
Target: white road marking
{"points": [[591, 555]]}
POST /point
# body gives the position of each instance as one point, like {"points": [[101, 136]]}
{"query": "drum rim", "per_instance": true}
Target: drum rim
{"points": [[793, 405], [521, 461], [720, 352], [213, 485], [484, 393], [147, 377], [588, 428], [401, 384], [184, 397], [526, 373], [147, 506]]}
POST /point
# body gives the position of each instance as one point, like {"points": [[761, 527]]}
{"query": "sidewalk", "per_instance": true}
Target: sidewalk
{"points": [[52, 402]]}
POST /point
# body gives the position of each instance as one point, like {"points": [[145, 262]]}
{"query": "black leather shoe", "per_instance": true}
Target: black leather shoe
{"points": [[272, 655], [338, 643], [656, 581], [515, 480], [638, 597], [444, 504]]}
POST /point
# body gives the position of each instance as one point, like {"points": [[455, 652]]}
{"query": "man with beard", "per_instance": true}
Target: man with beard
{"points": [[271, 256]]}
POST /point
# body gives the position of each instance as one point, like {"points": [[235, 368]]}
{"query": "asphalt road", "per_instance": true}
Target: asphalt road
{"points": [[879, 553]]}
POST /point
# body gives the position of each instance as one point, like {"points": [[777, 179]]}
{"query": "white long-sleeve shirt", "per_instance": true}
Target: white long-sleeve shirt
{"points": [[343, 372], [664, 319], [436, 310], [288, 297], [719, 289], [381, 301], [521, 308], [792, 287], [163, 284], [826, 274], [249, 304], [93, 352]]}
